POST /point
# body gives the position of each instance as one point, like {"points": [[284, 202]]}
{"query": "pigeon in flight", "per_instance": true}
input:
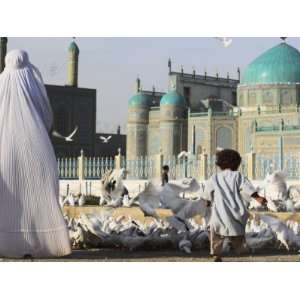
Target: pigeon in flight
{"points": [[68, 138], [225, 41], [183, 154], [105, 139]]}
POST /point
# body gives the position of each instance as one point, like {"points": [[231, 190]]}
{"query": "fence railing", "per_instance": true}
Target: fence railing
{"points": [[68, 168], [268, 163], [254, 166], [140, 168], [95, 167]]}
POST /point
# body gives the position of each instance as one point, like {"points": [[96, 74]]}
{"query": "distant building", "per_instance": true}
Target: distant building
{"points": [[75, 106], [199, 113], [165, 121]]}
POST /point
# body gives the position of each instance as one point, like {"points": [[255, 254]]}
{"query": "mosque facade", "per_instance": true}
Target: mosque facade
{"points": [[257, 113]]}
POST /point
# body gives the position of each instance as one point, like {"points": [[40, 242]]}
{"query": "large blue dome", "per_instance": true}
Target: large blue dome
{"points": [[280, 64], [173, 98]]}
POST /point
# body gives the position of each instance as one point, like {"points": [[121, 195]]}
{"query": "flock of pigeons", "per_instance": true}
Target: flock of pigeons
{"points": [[180, 230], [105, 231], [281, 198]]}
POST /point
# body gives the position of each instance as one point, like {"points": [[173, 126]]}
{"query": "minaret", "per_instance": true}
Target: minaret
{"points": [[73, 64], [138, 84], [170, 65], [3, 49], [137, 124]]}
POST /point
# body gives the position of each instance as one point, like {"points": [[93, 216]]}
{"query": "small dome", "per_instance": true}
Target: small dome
{"points": [[140, 100], [280, 64], [73, 47], [173, 98]]}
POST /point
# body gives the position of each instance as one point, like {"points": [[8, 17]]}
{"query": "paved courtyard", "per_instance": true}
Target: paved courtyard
{"points": [[115, 255]]}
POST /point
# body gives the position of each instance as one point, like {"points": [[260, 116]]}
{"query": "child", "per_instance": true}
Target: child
{"points": [[164, 175], [229, 214]]}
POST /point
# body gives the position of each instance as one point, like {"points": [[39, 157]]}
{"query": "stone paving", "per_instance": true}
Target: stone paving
{"points": [[116, 255]]}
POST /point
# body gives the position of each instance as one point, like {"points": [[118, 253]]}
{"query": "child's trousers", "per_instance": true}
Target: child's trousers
{"points": [[238, 244]]}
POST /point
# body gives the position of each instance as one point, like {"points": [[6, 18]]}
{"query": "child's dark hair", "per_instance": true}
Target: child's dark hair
{"points": [[228, 159], [165, 168]]}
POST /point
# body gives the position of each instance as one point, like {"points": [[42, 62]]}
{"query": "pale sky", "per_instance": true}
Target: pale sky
{"points": [[111, 65]]}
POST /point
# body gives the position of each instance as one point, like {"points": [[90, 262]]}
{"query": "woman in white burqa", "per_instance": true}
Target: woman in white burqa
{"points": [[31, 221]]}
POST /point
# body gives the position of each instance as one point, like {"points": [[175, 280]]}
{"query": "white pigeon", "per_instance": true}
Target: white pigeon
{"points": [[272, 206], [105, 139], [275, 186], [290, 205], [149, 200], [186, 185], [225, 41], [192, 209], [112, 187], [255, 205], [117, 202], [71, 223], [297, 205], [81, 200], [92, 223], [102, 200], [284, 234], [169, 198], [183, 154], [132, 242], [254, 226], [178, 224], [296, 228], [70, 199], [69, 138], [185, 245], [76, 236], [257, 242], [61, 200], [200, 239], [128, 202], [294, 193]]}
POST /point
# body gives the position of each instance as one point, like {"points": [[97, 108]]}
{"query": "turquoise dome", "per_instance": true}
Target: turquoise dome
{"points": [[280, 64], [73, 47], [140, 100], [173, 98]]}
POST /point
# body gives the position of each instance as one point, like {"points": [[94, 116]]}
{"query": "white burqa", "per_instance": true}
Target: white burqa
{"points": [[31, 222]]}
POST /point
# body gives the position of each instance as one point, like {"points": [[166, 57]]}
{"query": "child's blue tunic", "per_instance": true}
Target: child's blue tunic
{"points": [[229, 213]]}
